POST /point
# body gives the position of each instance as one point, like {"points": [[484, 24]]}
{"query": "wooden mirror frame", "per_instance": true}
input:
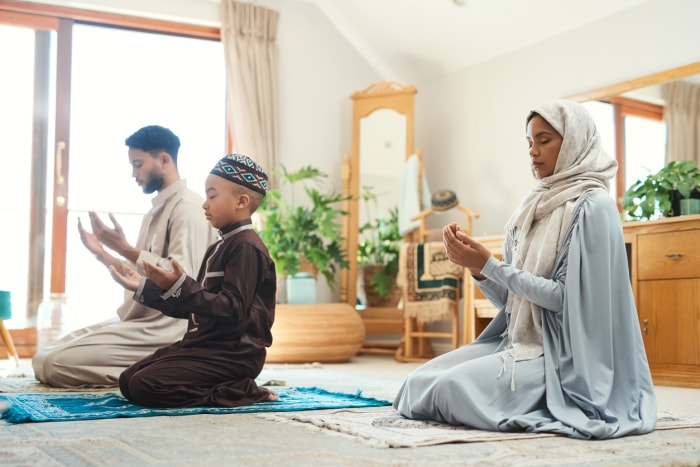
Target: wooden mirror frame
{"points": [[381, 95]]}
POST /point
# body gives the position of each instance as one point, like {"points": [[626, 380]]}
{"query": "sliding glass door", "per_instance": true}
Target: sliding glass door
{"points": [[71, 92], [27, 119], [123, 80]]}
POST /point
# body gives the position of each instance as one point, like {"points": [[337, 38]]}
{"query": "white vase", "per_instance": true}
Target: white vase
{"points": [[55, 318], [301, 288]]}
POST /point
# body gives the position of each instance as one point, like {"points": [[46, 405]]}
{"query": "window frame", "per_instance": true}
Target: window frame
{"points": [[626, 107], [108, 19]]}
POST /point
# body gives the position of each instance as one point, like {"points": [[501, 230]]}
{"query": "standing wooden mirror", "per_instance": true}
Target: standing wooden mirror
{"points": [[382, 140]]}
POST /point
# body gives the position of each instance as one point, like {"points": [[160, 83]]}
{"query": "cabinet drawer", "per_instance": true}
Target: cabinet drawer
{"points": [[669, 255]]}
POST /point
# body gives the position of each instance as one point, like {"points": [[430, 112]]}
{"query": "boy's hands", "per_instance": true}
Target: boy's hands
{"points": [[162, 278], [130, 280]]}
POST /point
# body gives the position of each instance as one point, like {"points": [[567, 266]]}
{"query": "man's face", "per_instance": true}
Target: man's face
{"points": [[146, 170]]}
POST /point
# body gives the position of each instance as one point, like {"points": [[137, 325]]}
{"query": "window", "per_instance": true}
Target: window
{"points": [[81, 83], [634, 132], [123, 80]]}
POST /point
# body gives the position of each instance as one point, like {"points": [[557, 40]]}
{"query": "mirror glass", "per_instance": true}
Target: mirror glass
{"points": [[382, 157]]}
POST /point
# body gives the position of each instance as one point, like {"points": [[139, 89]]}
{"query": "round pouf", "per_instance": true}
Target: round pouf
{"points": [[319, 332]]}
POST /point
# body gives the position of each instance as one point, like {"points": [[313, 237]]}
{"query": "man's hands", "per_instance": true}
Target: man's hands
{"points": [[464, 250], [90, 240], [112, 238], [130, 279]]}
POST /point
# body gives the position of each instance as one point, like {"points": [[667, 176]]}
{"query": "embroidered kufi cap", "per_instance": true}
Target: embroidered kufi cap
{"points": [[443, 200], [242, 170]]}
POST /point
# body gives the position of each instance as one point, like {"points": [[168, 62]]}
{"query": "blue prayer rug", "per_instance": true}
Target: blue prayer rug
{"points": [[49, 407]]}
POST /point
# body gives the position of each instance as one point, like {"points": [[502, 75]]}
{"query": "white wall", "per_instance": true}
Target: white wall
{"points": [[319, 71], [471, 125]]}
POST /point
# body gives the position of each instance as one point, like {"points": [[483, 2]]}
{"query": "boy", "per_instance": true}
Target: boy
{"points": [[230, 308]]}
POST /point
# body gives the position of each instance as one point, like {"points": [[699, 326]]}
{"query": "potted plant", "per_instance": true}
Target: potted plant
{"points": [[297, 233], [378, 254], [659, 194]]}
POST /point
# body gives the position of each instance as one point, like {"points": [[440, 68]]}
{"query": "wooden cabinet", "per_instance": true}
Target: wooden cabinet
{"points": [[664, 258]]}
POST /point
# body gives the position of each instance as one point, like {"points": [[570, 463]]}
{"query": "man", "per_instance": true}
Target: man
{"points": [[175, 227]]}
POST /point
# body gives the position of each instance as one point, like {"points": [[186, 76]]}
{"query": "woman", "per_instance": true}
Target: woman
{"points": [[565, 353]]}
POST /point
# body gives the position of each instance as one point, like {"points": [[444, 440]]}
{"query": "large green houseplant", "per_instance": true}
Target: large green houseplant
{"points": [[378, 247], [657, 195], [311, 230]]}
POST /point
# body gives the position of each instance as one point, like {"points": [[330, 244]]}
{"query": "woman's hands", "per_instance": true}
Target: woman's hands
{"points": [[464, 250]]}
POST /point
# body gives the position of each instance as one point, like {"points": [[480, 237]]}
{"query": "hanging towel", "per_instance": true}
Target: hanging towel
{"points": [[409, 204]]}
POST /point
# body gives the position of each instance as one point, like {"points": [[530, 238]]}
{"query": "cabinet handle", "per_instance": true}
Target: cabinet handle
{"points": [[646, 327], [673, 255]]}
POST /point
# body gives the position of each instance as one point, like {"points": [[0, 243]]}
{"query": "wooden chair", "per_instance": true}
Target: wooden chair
{"points": [[416, 344], [478, 310]]}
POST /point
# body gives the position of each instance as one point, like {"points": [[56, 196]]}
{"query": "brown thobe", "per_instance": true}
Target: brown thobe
{"points": [[230, 309]]}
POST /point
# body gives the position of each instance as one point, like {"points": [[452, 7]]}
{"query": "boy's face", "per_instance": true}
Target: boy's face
{"points": [[224, 204]]}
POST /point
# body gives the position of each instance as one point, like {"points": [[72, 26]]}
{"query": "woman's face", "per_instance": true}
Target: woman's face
{"points": [[544, 143]]}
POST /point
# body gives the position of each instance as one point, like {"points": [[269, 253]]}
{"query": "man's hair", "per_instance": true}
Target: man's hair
{"points": [[154, 139]]}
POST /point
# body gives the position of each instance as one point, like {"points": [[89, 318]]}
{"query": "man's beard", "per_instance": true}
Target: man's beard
{"points": [[154, 183]]}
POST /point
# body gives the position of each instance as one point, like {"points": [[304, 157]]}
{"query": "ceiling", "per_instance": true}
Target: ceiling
{"points": [[415, 40]]}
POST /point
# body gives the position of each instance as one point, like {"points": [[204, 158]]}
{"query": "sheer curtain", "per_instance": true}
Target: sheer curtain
{"points": [[248, 33], [682, 116]]}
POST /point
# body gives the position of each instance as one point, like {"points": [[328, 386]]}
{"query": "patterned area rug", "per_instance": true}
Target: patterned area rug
{"points": [[383, 427], [22, 408]]}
